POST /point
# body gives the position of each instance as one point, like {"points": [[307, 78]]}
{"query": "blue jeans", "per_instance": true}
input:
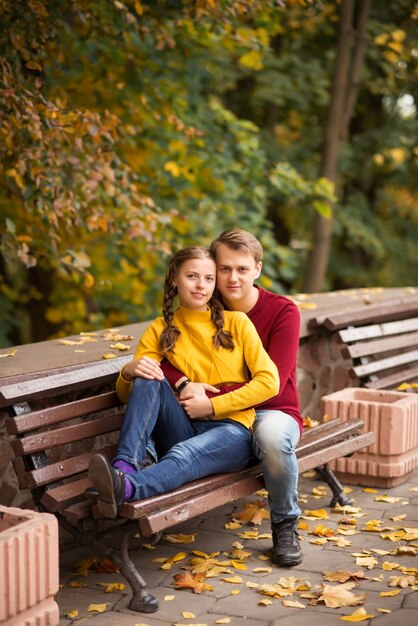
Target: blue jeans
{"points": [[187, 449], [276, 435]]}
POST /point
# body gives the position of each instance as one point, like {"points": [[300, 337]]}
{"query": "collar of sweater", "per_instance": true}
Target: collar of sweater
{"points": [[188, 316]]}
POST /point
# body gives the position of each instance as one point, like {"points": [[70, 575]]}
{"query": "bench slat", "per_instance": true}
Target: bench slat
{"points": [[384, 364], [53, 415], [386, 382], [59, 383], [371, 313], [378, 346], [378, 330], [67, 434], [64, 469]]}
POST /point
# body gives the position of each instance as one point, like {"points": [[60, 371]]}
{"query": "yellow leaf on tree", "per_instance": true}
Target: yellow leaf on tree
{"points": [[98, 608], [33, 65], [252, 60], [359, 615]]}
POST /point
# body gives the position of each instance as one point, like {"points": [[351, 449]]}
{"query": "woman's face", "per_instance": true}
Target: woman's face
{"points": [[195, 282]]}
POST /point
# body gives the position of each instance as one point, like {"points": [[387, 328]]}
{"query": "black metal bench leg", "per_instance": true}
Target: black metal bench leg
{"points": [[142, 601], [336, 487]]}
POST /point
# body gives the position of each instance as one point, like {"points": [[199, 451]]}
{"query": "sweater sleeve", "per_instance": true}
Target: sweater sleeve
{"points": [[285, 334], [264, 383], [148, 345]]}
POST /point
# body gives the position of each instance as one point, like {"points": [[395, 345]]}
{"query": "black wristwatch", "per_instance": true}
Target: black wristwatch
{"points": [[183, 384]]}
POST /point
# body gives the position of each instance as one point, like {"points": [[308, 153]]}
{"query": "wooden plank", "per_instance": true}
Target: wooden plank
{"points": [[161, 519], [348, 429], [377, 330], [57, 498], [67, 434], [384, 364], [64, 469], [367, 348], [364, 314], [397, 378], [63, 412], [59, 383]]}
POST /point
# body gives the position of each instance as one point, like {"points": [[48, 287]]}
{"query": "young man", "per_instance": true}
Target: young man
{"points": [[278, 423]]}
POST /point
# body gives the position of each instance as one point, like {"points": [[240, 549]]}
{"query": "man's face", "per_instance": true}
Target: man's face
{"points": [[236, 272]]}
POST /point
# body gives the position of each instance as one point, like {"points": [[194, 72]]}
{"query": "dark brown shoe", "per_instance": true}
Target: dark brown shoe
{"points": [[286, 547], [110, 485]]}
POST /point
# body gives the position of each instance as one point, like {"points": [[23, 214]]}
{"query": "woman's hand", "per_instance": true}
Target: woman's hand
{"points": [[144, 367], [196, 389], [196, 406]]}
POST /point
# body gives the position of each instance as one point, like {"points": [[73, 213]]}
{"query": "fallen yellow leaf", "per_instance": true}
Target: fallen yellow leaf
{"points": [[293, 604], [168, 598], [388, 594], [234, 592], [71, 614], [180, 538], [234, 580], [232, 526], [316, 513], [109, 355], [359, 615], [223, 620], [265, 602], [112, 587], [10, 353], [188, 615], [99, 608], [120, 346]]}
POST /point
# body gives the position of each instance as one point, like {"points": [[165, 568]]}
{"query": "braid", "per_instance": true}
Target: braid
{"points": [[221, 337], [171, 333]]}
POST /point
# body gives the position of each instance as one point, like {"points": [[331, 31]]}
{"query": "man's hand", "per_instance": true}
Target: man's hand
{"points": [[196, 406], [144, 367], [196, 389]]}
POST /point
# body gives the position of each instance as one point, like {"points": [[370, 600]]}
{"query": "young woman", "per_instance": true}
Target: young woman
{"points": [[201, 436]]}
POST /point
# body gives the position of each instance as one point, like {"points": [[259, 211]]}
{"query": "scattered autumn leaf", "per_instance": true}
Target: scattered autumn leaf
{"points": [[180, 538], [71, 614], [336, 596], [112, 587], [293, 604], [10, 353], [341, 576], [388, 594], [196, 582], [253, 513], [359, 615], [109, 355], [316, 513], [98, 608]]}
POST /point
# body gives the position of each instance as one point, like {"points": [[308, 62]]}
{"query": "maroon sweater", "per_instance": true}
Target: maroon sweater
{"points": [[277, 321]]}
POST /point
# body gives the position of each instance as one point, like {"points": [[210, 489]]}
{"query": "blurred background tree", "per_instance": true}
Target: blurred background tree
{"points": [[129, 129]]}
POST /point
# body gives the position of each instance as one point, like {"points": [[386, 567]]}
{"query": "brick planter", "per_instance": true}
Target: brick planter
{"points": [[393, 417], [28, 568]]}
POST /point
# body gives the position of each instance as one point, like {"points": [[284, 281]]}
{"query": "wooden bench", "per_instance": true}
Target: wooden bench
{"points": [[58, 421], [380, 340]]}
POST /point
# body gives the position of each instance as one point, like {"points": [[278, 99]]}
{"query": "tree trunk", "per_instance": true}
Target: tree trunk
{"points": [[344, 91]]}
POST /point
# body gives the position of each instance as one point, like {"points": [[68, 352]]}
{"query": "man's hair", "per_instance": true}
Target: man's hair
{"points": [[238, 239]]}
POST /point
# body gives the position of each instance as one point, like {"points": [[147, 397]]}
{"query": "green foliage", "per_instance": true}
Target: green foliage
{"points": [[129, 129]]}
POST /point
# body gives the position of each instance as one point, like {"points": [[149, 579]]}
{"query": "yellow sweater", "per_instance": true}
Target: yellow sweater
{"points": [[195, 355]]}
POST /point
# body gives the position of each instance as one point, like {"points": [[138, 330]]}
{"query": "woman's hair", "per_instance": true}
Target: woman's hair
{"points": [[239, 239], [171, 333]]}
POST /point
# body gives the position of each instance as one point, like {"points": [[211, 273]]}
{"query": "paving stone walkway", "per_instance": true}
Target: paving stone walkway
{"points": [[239, 602]]}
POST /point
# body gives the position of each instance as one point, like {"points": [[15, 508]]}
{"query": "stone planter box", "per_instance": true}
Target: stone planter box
{"points": [[393, 417], [29, 575]]}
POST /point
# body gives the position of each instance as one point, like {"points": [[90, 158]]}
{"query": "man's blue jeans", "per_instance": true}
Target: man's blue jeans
{"points": [[276, 435], [187, 449]]}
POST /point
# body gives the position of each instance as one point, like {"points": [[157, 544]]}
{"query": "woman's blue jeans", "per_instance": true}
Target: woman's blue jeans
{"points": [[276, 435], [187, 449]]}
